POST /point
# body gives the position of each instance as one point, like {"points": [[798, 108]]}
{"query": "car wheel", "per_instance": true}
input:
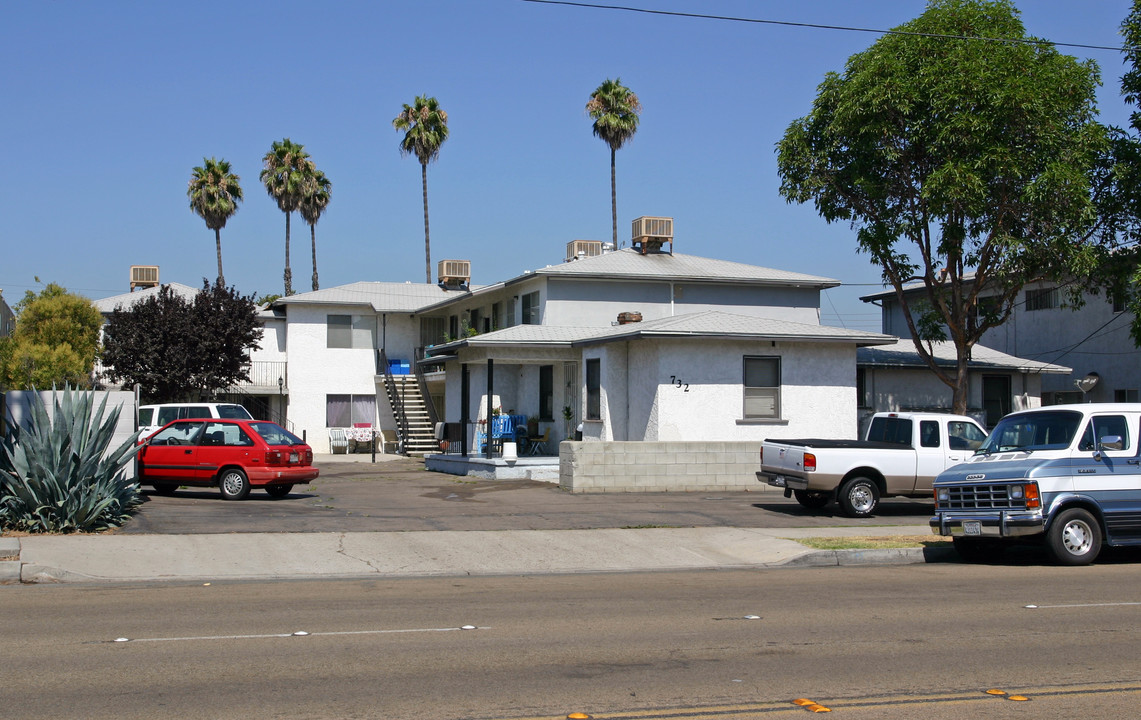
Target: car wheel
{"points": [[1074, 538], [859, 497], [234, 484], [278, 491], [812, 499], [165, 488], [973, 549]]}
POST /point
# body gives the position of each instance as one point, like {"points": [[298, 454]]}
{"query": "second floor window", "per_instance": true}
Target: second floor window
{"points": [[350, 331], [529, 314], [1042, 299]]}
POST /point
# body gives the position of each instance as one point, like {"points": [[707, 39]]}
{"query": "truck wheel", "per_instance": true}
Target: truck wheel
{"points": [[1074, 537], [858, 497], [973, 549], [812, 499]]}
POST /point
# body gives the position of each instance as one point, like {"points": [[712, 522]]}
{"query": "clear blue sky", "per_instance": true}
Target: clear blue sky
{"points": [[107, 106]]}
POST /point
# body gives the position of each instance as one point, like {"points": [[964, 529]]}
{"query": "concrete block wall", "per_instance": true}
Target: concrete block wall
{"points": [[673, 466]]}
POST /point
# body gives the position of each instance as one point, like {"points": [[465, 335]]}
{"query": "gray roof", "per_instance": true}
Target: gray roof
{"points": [[909, 288], [703, 325], [127, 300], [903, 354], [380, 296], [632, 264]]}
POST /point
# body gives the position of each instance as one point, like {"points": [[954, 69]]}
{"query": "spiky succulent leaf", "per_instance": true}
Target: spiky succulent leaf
{"points": [[58, 474]]}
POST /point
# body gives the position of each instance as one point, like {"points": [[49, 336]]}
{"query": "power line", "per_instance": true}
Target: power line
{"points": [[817, 26]]}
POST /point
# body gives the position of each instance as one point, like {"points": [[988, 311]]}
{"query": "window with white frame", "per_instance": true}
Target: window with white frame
{"points": [[349, 410], [530, 309], [350, 331], [761, 379], [593, 389], [1043, 299]]}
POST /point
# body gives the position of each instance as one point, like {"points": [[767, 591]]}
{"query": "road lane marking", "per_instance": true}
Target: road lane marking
{"points": [[297, 633], [744, 711], [1081, 605]]}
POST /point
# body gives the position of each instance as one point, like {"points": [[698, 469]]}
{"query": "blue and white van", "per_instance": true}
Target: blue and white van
{"points": [[1069, 475]]}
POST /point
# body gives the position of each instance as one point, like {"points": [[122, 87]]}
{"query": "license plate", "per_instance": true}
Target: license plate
{"points": [[293, 457], [972, 527], [778, 481]]}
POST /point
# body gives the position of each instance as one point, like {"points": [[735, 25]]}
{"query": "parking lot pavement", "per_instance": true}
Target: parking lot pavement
{"points": [[399, 495]]}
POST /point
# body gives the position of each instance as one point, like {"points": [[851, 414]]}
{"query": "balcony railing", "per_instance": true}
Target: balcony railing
{"points": [[264, 375]]}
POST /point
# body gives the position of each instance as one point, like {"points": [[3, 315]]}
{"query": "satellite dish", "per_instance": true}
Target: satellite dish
{"points": [[1088, 382]]}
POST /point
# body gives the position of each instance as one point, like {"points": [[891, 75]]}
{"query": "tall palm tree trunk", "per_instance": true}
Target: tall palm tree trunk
{"points": [[218, 245], [313, 240], [288, 272], [427, 243], [613, 199]]}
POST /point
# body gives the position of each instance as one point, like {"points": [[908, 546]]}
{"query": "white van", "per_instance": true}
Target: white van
{"points": [[153, 417]]}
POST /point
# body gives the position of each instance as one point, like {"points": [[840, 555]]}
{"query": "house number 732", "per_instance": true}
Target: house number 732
{"points": [[676, 382]]}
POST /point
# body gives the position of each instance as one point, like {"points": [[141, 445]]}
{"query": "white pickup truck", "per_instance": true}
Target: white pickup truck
{"points": [[901, 455]]}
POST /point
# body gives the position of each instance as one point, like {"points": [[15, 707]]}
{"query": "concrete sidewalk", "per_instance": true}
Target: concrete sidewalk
{"points": [[271, 556]]}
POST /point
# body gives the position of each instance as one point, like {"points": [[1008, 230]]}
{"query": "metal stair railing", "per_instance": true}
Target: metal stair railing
{"points": [[396, 400], [433, 417]]}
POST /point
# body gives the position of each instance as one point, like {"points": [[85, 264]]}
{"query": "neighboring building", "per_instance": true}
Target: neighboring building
{"points": [[1078, 354], [7, 317], [893, 378], [264, 395]]}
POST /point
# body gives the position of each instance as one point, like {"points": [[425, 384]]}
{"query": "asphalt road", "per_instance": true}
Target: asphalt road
{"points": [[871, 642], [400, 495]]}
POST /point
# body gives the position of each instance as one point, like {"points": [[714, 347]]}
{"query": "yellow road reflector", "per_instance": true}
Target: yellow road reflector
{"points": [[995, 692], [1018, 698], [817, 708], [578, 716], [803, 701]]}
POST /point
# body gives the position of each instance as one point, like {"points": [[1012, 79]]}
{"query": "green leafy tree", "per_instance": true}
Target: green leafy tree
{"points": [[962, 154], [286, 173], [1119, 202], [615, 109], [55, 341], [214, 192], [425, 128], [176, 349], [317, 197]]}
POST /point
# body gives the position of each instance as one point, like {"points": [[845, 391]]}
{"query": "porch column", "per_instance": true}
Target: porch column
{"points": [[465, 407], [490, 399]]}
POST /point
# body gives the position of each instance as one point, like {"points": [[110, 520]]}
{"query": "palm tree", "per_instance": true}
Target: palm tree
{"points": [[312, 206], [615, 109], [286, 173], [214, 194], [425, 128]]}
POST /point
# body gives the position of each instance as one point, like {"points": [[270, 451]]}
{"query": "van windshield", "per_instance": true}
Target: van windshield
{"points": [[236, 412], [1050, 430]]}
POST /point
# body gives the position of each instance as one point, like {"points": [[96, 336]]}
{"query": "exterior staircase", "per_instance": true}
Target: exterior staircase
{"points": [[417, 433]]}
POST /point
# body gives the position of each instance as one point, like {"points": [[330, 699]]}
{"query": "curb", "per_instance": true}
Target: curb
{"points": [[890, 556], [9, 569]]}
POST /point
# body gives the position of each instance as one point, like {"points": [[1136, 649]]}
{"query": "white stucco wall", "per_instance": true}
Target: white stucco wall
{"points": [[641, 399], [598, 303]]}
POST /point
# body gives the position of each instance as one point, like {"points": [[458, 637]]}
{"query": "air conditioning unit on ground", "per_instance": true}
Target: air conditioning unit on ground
{"points": [[577, 249], [144, 276], [454, 272], [648, 234]]}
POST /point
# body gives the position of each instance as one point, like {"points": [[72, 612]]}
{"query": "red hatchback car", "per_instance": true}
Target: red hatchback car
{"points": [[234, 455]]}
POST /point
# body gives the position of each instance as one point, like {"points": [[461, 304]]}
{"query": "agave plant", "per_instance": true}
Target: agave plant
{"points": [[57, 476]]}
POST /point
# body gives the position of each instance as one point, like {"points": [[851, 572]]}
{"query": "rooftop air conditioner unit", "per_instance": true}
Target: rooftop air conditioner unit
{"points": [[650, 233], [583, 249], [454, 272], [144, 276]]}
